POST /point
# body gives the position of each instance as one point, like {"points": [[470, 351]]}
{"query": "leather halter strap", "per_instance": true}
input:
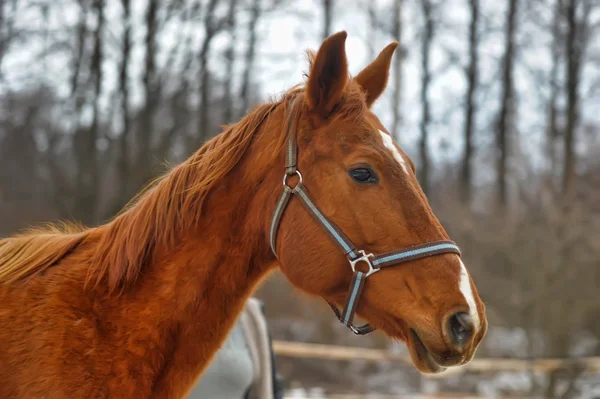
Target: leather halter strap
{"points": [[354, 256]]}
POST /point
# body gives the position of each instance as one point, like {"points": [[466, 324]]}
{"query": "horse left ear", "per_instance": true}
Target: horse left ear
{"points": [[328, 75], [373, 79]]}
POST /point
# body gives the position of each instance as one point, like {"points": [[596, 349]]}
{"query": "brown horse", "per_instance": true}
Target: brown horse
{"points": [[136, 308]]}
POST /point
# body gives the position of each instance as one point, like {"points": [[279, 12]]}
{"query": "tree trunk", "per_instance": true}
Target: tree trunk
{"points": [[397, 100], [7, 23], [506, 109], [574, 45], [425, 80], [553, 129], [327, 14], [210, 29], [250, 54], [372, 29], [96, 67], [3, 39], [145, 133], [230, 60], [472, 79], [123, 163], [88, 176], [81, 35]]}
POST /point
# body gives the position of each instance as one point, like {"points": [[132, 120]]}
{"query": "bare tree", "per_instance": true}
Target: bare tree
{"points": [[87, 179], [96, 68], [576, 42], [7, 24], [506, 109], [397, 96], [211, 27], [230, 60], [74, 186], [151, 95], [470, 109], [81, 36], [426, 40], [327, 15], [3, 39], [255, 12], [124, 90], [372, 27], [553, 129]]}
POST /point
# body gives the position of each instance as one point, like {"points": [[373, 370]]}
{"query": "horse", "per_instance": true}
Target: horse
{"points": [[136, 307]]}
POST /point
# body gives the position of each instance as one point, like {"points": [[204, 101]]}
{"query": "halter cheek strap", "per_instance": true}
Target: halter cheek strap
{"points": [[374, 263]]}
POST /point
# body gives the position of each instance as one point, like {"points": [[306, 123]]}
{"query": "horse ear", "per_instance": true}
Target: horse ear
{"points": [[373, 79], [328, 75]]}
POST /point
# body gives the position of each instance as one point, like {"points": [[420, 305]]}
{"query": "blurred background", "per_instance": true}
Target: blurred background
{"points": [[496, 101]]}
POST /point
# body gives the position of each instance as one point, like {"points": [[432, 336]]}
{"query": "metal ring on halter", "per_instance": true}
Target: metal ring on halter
{"points": [[285, 177], [364, 258]]}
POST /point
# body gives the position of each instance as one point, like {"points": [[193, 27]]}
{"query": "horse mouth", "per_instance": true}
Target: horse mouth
{"points": [[421, 356]]}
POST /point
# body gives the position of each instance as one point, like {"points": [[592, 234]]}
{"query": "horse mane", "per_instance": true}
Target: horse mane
{"points": [[172, 204], [35, 250], [168, 206]]}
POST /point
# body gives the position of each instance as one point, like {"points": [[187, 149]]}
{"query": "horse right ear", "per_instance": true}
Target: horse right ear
{"points": [[328, 75], [373, 79]]}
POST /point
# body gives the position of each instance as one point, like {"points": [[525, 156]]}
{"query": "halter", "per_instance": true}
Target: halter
{"points": [[374, 262]]}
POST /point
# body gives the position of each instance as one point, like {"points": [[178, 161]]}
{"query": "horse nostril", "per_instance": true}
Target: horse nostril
{"points": [[460, 327]]}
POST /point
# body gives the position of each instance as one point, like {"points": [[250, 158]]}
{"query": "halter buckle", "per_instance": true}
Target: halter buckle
{"points": [[364, 258], [286, 176]]}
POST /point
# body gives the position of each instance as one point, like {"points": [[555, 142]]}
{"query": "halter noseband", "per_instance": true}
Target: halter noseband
{"points": [[374, 262]]}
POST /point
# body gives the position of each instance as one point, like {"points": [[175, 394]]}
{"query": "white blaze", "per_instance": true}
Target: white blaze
{"points": [[464, 282], [465, 287], [389, 144]]}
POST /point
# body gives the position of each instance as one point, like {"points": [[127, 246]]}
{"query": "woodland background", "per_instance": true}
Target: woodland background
{"points": [[496, 101]]}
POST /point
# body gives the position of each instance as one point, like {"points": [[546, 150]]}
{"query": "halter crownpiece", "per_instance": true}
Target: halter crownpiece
{"points": [[355, 257]]}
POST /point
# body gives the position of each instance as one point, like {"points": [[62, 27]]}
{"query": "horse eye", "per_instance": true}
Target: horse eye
{"points": [[363, 175]]}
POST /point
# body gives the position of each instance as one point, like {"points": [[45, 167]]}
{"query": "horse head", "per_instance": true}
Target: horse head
{"points": [[353, 226]]}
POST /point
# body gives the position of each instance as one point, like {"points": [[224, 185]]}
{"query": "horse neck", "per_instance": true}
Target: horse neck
{"points": [[195, 279], [213, 202], [224, 254], [218, 249]]}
